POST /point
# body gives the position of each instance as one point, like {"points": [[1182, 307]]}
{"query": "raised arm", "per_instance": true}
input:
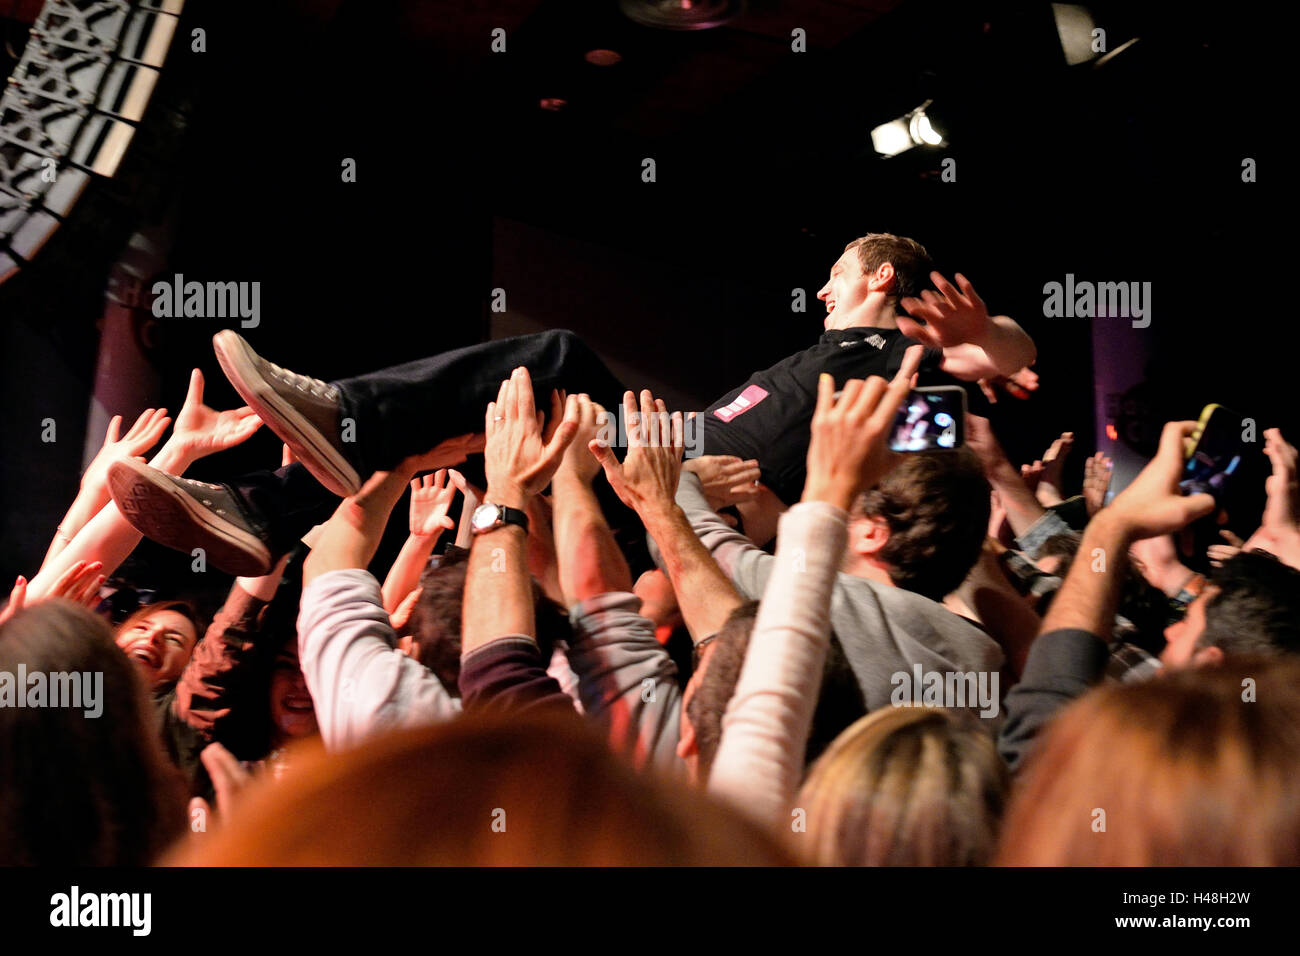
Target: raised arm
{"points": [[93, 494], [1279, 532], [975, 345], [500, 661], [1069, 655], [431, 499], [1022, 508], [647, 483], [765, 731], [199, 431], [590, 562]]}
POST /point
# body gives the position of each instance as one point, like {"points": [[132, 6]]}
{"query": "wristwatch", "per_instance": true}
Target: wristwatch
{"points": [[489, 517]]}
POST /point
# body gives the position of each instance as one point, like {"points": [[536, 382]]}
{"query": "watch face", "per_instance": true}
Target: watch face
{"points": [[485, 516]]}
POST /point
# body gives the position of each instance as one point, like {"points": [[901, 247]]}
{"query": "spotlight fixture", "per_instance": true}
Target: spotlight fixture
{"points": [[682, 14], [602, 57], [900, 135]]}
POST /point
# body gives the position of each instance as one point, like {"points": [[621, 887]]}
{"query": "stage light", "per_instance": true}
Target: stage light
{"points": [[1074, 25], [682, 14], [900, 135], [602, 57], [921, 131]]}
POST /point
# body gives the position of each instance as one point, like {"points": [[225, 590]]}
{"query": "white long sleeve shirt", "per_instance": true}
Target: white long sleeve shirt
{"points": [[760, 760]]}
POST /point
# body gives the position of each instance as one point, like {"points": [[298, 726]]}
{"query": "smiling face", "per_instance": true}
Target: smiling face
{"points": [[292, 712], [848, 293], [159, 643]]}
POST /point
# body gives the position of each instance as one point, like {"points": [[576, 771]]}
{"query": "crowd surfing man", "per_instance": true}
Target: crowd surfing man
{"points": [[342, 430]]}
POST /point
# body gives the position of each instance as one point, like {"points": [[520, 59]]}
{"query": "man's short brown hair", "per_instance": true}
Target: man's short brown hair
{"points": [[912, 264], [937, 508]]}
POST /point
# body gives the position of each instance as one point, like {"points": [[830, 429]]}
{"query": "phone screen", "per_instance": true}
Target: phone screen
{"points": [[1217, 454], [932, 419]]}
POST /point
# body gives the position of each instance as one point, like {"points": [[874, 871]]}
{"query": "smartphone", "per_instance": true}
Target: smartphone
{"points": [[932, 419], [1216, 453]]}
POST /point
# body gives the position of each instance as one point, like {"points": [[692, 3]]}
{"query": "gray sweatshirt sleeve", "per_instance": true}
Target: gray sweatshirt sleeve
{"points": [[360, 682], [745, 564], [1062, 666], [627, 683]]}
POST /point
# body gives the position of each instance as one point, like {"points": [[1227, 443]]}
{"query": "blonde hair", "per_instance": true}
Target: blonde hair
{"points": [[905, 786], [1179, 770]]}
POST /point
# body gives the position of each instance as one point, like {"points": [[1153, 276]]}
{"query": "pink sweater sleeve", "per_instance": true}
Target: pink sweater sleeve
{"points": [[759, 764]]}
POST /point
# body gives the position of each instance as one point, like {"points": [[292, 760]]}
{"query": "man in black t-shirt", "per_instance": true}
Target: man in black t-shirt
{"points": [[767, 418]]}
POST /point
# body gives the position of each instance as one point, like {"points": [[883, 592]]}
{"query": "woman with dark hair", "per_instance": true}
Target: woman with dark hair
{"points": [[86, 785]]}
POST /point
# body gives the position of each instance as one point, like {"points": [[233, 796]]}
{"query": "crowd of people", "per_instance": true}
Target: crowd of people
{"points": [[797, 647]]}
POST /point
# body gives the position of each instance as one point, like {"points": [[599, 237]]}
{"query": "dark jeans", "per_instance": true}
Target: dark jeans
{"points": [[284, 504], [407, 409]]}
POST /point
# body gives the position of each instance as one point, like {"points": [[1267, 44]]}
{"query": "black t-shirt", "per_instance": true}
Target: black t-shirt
{"points": [[768, 418]]}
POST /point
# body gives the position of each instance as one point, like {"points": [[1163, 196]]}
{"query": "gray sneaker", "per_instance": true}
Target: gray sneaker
{"points": [[185, 515], [303, 412]]}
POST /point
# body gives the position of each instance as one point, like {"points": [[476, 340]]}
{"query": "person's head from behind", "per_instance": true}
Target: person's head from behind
{"points": [[160, 639], [704, 701], [922, 526], [1198, 768], [905, 786], [85, 782], [481, 790], [871, 276], [1250, 606], [435, 624]]}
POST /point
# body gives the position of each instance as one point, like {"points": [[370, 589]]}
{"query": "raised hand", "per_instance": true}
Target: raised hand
{"points": [[80, 583], [521, 455], [1153, 505], [431, 499], [17, 600], [202, 431], [647, 478], [725, 479], [981, 440], [1044, 475], [1097, 472], [578, 461], [953, 316], [1283, 504], [142, 436], [849, 449]]}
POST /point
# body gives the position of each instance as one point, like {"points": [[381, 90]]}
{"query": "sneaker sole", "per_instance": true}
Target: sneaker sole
{"points": [[239, 362], [162, 512]]}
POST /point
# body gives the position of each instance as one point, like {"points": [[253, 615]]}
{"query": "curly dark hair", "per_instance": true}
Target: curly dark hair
{"points": [[937, 508]]}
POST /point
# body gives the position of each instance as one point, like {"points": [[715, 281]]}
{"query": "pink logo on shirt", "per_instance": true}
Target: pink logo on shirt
{"points": [[742, 403]]}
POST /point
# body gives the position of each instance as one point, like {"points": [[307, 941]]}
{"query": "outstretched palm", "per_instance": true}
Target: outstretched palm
{"points": [[431, 498], [953, 316], [142, 436], [202, 431]]}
